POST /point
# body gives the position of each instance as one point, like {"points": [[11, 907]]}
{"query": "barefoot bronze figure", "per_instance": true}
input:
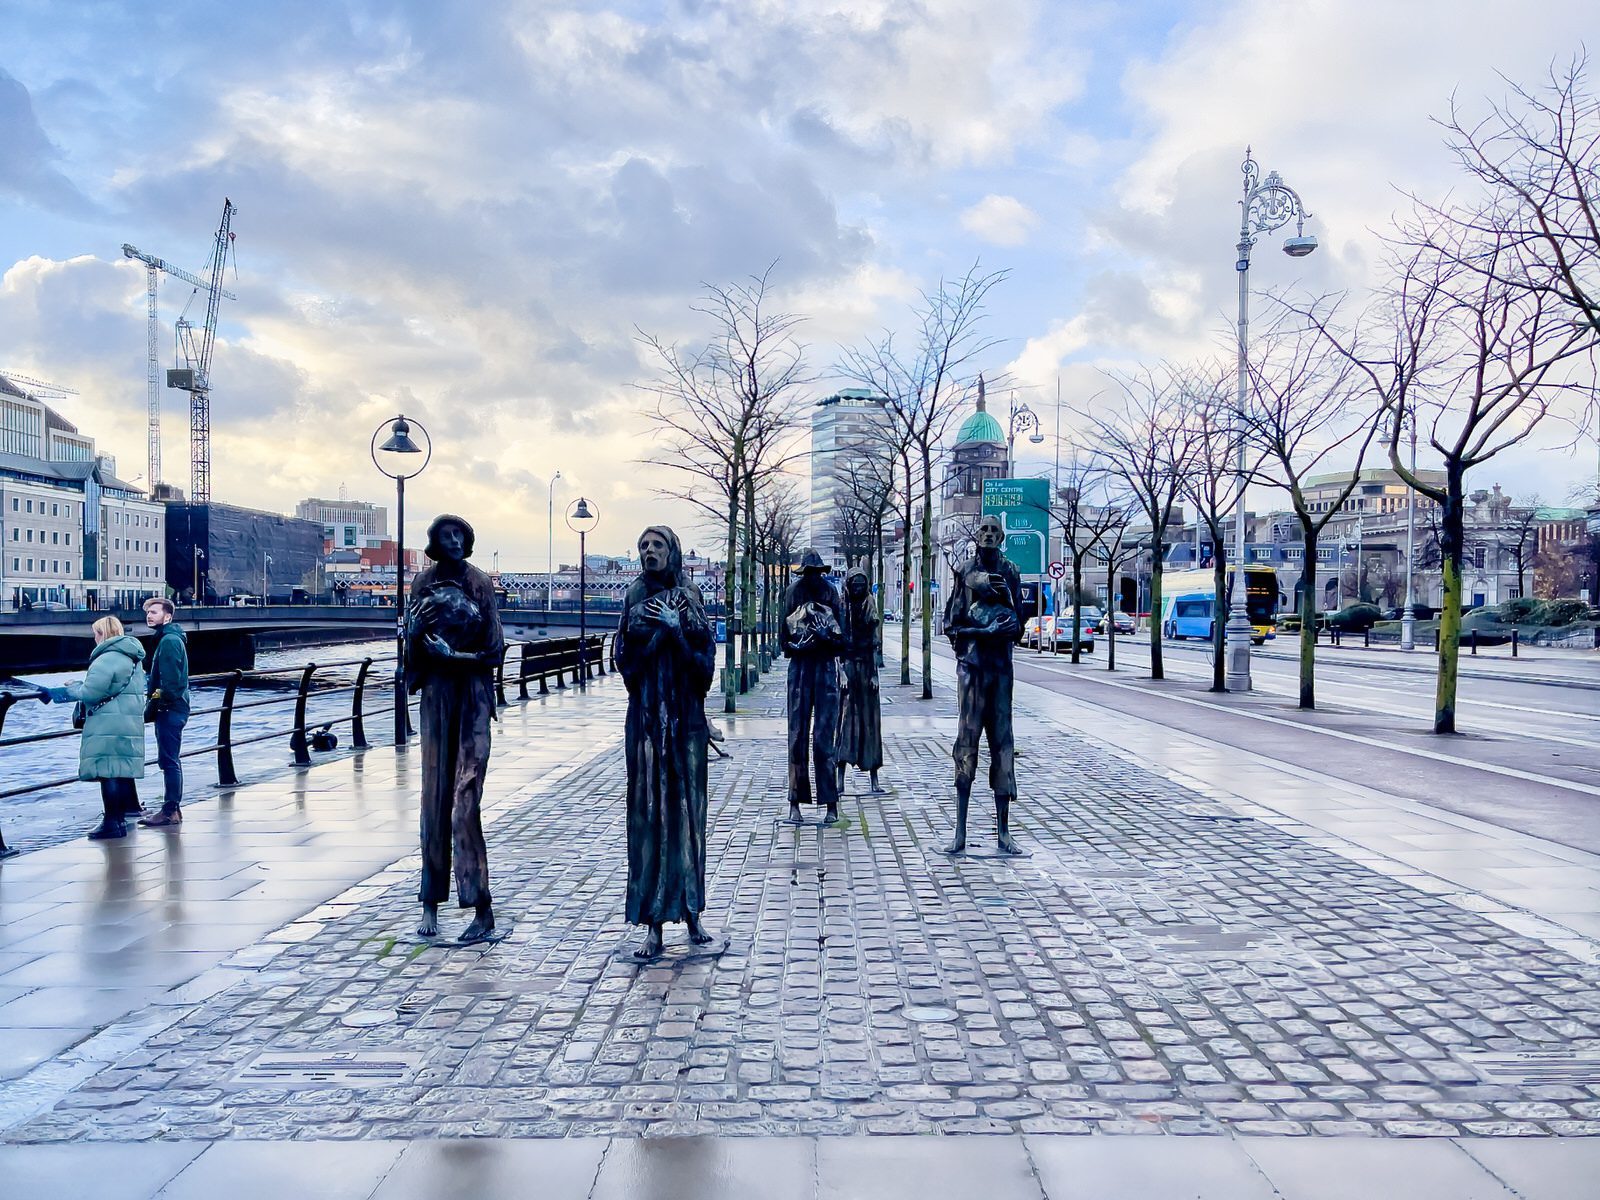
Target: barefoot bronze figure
{"points": [[453, 644], [983, 620], [811, 634], [860, 707], [666, 654]]}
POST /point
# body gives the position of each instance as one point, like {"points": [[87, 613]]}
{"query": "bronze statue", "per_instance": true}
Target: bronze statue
{"points": [[860, 711], [811, 634], [453, 644], [666, 653], [983, 620]]}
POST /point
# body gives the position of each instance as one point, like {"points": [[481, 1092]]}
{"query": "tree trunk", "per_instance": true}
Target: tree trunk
{"points": [[1452, 535], [1077, 617], [730, 683], [1156, 669], [1308, 617], [751, 672], [905, 581], [927, 573], [1219, 579]]}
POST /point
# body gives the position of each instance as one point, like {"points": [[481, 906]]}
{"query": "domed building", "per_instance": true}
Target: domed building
{"points": [[978, 453]]}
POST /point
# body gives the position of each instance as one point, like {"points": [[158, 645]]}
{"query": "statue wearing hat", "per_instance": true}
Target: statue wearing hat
{"points": [[811, 634], [983, 620], [453, 645]]}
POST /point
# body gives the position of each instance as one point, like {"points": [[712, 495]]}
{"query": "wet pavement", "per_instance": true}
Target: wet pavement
{"points": [[1198, 944]]}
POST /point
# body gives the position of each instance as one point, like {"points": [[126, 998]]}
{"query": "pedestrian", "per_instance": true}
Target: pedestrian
{"points": [[168, 706], [111, 697]]}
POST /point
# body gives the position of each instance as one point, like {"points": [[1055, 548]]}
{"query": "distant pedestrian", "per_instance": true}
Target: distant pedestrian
{"points": [[168, 706], [112, 697]]}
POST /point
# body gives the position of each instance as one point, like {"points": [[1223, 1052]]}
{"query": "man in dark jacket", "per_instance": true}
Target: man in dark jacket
{"points": [[810, 634], [168, 691]]}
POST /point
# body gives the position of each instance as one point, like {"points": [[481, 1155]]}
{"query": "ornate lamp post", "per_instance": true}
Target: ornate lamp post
{"points": [[1022, 417], [1268, 204], [396, 462], [1408, 622], [582, 517], [549, 546]]}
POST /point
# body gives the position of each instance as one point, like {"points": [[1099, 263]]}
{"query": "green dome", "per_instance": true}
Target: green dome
{"points": [[980, 427]]}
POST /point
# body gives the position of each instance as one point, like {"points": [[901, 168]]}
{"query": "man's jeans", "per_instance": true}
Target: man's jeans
{"points": [[169, 743]]}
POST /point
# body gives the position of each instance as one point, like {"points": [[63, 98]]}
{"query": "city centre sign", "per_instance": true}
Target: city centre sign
{"points": [[1023, 506]]}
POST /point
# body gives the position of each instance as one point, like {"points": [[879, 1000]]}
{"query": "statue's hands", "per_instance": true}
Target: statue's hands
{"points": [[438, 646], [664, 612]]}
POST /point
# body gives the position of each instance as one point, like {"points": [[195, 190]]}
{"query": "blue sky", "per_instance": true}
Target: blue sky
{"points": [[465, 211]]}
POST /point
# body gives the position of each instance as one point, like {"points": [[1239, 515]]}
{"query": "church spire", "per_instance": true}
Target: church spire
{"points": [[982, 404]]}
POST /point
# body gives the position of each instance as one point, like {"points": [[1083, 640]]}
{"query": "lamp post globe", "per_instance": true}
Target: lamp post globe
{"points": [[400, 458], [582, 517]]}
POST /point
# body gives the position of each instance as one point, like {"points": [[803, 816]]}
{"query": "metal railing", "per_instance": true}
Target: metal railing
{"points": [[545, 662]]}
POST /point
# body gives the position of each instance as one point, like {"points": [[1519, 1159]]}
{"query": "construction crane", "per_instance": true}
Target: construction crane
{"points": [[37, 386], [154, 269]]}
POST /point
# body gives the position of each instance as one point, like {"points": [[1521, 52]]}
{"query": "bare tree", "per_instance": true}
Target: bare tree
{"points": [[1107, 529], [1212, 486], [780, 524], [925, 384], [1477, 360], [1305, 407], [725, 417], [1522, 526], [1144, 439]]}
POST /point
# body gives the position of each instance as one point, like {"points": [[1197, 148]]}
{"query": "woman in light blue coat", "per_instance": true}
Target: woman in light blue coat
{"points": [[112, 748]]}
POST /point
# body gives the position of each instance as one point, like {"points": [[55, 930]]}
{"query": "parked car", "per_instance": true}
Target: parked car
{"points": [[1058, 630], [1424, 612], [244, 601]]}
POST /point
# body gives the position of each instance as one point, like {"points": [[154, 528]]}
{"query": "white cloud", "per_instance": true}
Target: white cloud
{"points": [[1000, 220]]}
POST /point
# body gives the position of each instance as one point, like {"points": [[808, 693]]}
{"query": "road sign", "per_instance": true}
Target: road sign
{"points": [[1023, 506], [1058, 570]]}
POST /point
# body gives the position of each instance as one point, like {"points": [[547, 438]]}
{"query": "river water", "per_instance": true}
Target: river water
{"points": [[50, 815]]}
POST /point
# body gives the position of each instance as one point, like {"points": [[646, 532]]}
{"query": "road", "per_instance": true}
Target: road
{"points": [[1528, 756]]}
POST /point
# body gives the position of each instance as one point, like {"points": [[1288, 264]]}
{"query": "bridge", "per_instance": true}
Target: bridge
{"points": [[225, 638]]}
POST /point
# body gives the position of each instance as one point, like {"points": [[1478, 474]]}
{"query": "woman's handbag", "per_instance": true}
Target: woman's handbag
{"points": [[80, 715], [82, 712]]}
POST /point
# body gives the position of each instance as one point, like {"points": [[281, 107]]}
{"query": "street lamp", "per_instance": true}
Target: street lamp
{"points": [[199, 589], [549, 546], [1268, 204], [266, 584], [399, 465], [582, 517], [1022, 417], [1408, 622]]}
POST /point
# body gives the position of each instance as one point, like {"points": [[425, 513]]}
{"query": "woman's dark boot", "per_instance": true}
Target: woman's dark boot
{"points": [[112, 824]]}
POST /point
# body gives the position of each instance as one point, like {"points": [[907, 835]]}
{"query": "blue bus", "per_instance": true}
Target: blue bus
{"points": [[1189, 606]]}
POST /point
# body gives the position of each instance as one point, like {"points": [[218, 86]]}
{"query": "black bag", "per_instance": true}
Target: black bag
{"points": [[80, 715]]}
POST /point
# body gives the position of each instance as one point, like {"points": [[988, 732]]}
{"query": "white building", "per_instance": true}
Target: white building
{"points": [[846, 428], [41, 530]]}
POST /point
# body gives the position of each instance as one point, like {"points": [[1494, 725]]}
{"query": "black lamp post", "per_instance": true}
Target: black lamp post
{"points": [[396, 469], [583, 517]]}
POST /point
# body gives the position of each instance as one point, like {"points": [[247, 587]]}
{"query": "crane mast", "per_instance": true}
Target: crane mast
{"points": [[154, 269], [195, 377]]}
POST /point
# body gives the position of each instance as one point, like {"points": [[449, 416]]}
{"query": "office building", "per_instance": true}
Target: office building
{"points": [[848, 430]]}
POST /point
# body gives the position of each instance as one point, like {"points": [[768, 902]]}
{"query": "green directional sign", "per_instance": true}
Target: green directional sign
{"points": [[1023, 506]]}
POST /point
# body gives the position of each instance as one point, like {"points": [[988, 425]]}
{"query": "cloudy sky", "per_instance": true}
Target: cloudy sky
{"points": [[465, 211]]}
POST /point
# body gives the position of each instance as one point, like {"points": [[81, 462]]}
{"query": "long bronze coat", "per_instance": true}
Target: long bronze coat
{"points": [[860, 714]]}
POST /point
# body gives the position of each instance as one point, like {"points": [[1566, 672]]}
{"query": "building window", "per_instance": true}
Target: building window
{"points": [[69, 540], [1479, 555], [14, 503], [30, 535], [117, 569], [55, 510], [55, 538]]}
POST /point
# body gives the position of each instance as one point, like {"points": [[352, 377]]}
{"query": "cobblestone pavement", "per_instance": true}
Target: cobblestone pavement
{"points": [[1159, 964]]}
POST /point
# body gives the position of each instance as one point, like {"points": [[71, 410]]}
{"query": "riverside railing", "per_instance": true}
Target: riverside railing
{"points": [[544, 662]]}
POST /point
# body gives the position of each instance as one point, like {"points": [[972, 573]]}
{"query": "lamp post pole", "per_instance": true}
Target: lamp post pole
{"points": [[400, 443], [199, 591], [1408, 622], [549, 547], [583, 517], [1268, 204], [266, 584]]}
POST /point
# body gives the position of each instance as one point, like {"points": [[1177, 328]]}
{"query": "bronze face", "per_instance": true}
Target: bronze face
{"points": [[989, 535], [653, 551], [858, 587], [452, 542]]}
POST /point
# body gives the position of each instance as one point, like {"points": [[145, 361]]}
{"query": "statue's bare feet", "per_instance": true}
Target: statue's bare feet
{"points": [[958, 844], [875, 788], [794, 817], [697, 932], [429, 925], [482, 925], [832, 817], [651, 946], [1007, 844]]}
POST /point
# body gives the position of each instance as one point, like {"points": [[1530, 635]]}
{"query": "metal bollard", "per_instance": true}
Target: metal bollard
{"points": [[1514, 633], [1366, 637], [1473, 637], [358, 724], [522, 673]]}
